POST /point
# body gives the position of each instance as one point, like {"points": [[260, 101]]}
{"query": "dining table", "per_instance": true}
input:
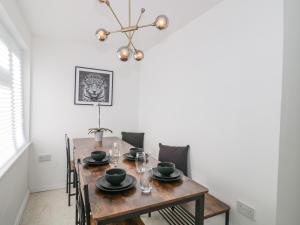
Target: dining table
{"points": [[108, 208]]}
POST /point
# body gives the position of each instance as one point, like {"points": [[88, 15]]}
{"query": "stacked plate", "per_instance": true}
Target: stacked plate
{"points": [[91, 162], [175, 176], [126, 184], [130, 157]]}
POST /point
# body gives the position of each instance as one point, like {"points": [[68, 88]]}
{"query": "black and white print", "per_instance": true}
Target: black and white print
{"points": [[93, 86]]}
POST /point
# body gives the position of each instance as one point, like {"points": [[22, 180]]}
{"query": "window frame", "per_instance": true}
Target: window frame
{"points": [[6, 79]]}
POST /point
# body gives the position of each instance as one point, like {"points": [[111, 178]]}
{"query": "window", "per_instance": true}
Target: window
{"points": [[11, 98]]}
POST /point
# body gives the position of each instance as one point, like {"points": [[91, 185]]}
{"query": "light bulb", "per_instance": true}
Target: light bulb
{"points": [[124, 53], [161, 22], [102, 34], [138, 55]]}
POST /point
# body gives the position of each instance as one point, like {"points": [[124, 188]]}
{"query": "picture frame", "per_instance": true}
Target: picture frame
{"points": [[93, 86]]}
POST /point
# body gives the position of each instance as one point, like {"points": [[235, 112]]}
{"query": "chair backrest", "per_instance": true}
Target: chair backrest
{"points": [[175, 154], [83, 202], [67, 140], [80, 209], [87, 204], [135, 139]]}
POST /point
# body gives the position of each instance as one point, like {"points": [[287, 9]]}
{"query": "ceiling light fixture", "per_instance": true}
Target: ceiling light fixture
{"points": [[161, 22]]}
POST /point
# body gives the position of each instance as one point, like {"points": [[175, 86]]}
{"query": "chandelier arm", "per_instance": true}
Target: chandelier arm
{"points": [[114, 14], [147, 25], [137, 26], [116, 17], [130, 42], [115, 31], [142, 12], [125, 29]]}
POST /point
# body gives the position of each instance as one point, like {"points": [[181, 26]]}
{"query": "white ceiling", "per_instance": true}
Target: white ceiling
{"points": [[77, 20]]}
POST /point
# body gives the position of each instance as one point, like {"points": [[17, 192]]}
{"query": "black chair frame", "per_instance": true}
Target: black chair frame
{"points": [[83, 210], [70, 172]]}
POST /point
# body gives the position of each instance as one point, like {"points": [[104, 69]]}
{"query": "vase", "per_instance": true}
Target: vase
{"points": [[98, 138]]}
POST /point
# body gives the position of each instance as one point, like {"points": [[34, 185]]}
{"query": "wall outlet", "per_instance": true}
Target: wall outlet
{"points": [[44, 158], [246, 210]]}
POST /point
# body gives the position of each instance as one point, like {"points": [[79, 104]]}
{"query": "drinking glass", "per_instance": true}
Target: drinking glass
{"points": [[140, 161], [146, 180], [116, 146], [114, 156]]}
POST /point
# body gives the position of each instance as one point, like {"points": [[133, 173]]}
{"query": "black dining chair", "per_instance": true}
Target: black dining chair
{"points": [[134, 139], [175, 154], [70, 176], [83, 210]]}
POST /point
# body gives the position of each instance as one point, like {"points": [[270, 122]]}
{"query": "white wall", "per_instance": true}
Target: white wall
{"points": [[53, 110], [14, 191], [289, 166], [216, 85]]}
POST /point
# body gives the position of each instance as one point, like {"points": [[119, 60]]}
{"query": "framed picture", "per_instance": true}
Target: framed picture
{"points": [[93, 86]]}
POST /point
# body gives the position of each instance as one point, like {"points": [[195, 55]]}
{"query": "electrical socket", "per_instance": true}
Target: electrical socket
{"points": [[44, 157], [246, 210]]}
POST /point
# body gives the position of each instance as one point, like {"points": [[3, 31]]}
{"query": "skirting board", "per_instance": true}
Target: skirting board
{"points": [[47, 188], [21, 209]]}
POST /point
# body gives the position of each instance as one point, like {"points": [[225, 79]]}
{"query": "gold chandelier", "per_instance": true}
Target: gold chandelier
{"points": [[124, 52]]}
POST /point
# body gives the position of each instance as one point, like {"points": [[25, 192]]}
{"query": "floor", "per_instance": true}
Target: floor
{"points": [[50, 208]]}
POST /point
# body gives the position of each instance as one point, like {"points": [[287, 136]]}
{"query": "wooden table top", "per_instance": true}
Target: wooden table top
{"points": [[107, 206]]}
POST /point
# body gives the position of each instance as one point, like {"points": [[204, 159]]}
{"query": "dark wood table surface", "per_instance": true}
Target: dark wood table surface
{"points": [[108, 208]]}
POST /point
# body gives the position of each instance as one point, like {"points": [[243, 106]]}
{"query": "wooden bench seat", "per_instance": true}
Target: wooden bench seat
{"points": [[135, 221], [185, 214]]}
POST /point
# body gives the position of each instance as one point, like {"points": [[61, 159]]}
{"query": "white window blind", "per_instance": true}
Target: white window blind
{"points": [[11, 98]]}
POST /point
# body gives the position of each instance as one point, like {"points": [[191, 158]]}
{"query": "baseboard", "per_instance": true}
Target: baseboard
{"points": [[47, 188], [21, 209]]}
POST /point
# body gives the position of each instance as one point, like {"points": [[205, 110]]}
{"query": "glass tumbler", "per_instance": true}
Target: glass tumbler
{"points": [[146, 180], [114, 156], [140, 161]]}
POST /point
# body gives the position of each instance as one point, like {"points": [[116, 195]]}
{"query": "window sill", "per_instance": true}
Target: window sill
{"points": [[12, 161]]}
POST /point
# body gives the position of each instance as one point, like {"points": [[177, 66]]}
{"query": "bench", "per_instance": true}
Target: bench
{"points": [[135, 221], [184, 214]]}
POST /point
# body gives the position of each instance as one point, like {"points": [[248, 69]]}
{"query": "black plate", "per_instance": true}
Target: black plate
{"points": [[177, 173], [167, 179], [90, 161], [103, 185], [130, 157]]}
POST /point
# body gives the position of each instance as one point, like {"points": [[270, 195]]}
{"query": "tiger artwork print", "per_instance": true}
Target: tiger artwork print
{"points": [[93, 89]]}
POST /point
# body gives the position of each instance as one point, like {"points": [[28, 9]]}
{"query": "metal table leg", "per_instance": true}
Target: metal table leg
{"points": [[199, 211], [227, 218]]}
